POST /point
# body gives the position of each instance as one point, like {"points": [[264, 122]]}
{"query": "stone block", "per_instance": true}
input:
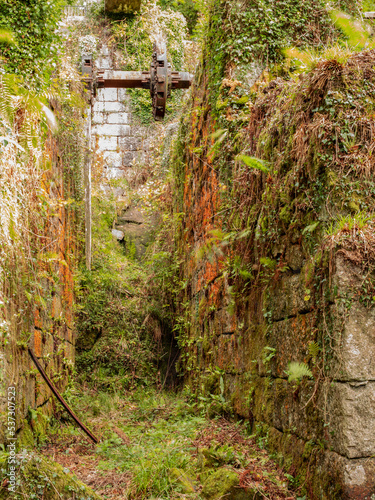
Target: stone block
{"points": [[111, 130], [115, 173], [112, 159], [107, 143], [228, 354], [295, 257], [114, 107], [355, 342], [353, 327], [119, 235], [123, 95], [289, 298], [98, 107], [128, 159], [352, 418], [97, 118], [130, 143], [290, 338], [104, 63], [107, 95], [118, 118], [278, 403]]}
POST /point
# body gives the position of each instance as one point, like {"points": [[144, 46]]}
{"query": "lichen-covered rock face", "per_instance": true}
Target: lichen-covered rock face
{"points": [[278, 262], [122, 6]]}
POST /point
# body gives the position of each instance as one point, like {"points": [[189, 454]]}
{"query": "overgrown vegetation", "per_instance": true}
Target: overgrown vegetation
{"points": [[268, 155], [41, 154], [136, 35], [34, 53], [117, 347], [156, 444]]}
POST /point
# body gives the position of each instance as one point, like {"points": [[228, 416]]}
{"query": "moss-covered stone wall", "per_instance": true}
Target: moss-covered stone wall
{"points": [[274, 177], [37, 291]]}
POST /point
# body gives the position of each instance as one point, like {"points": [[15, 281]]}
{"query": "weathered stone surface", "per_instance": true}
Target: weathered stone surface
{"points": [[354, 326], [282, 405], [352, 416], [104, 62], [294, 257], [118, 118], [119, 235], [97, 117], [326, 474], [107, 94], [107, 143], [111, 130], [290, 338], [115, 173], [355, 349], [123, 96], [130, 143], [125, 6], [109, 107], [133, 215], [112, 159], [128, 158], [224, 483], [288, 298]]}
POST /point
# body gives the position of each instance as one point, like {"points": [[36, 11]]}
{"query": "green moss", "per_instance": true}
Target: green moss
{"points": [[41, 478], [286, 214], [353, 207], [223, 483], [187, 484], [26, 437]]}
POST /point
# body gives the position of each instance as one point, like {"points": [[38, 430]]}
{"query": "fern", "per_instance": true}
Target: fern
{"points": [[314, 349], [267, 262], [296, 371], [254, 163]]}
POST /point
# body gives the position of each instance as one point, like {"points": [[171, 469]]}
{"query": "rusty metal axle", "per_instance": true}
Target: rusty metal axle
{"points": [[160, 80]]}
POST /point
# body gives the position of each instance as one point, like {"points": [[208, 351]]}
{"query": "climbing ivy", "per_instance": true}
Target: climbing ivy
{"points": [[189, 8], [34, 27]]}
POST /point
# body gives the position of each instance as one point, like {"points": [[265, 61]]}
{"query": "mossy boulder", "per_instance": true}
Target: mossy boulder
{"points": [[186, 483], [225, 483], [36, 478]]}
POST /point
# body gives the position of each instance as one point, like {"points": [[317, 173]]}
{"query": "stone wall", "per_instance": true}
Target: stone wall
{"points": [[270, 277], [38, 303], [122, 145]]}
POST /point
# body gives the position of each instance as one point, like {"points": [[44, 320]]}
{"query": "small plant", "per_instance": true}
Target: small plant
{"points": [[296, 371]]}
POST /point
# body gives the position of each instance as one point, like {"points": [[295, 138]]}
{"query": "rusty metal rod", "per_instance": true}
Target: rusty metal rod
{"points": [[60, 398]]}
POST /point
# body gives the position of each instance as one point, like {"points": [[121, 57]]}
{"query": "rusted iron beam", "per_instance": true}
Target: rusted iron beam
{"points": [[124, 79], [139, 79], [53, 388]]}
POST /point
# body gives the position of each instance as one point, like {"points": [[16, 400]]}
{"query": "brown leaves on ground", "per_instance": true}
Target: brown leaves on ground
{"points": [[261, 473], [79, 456]]}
